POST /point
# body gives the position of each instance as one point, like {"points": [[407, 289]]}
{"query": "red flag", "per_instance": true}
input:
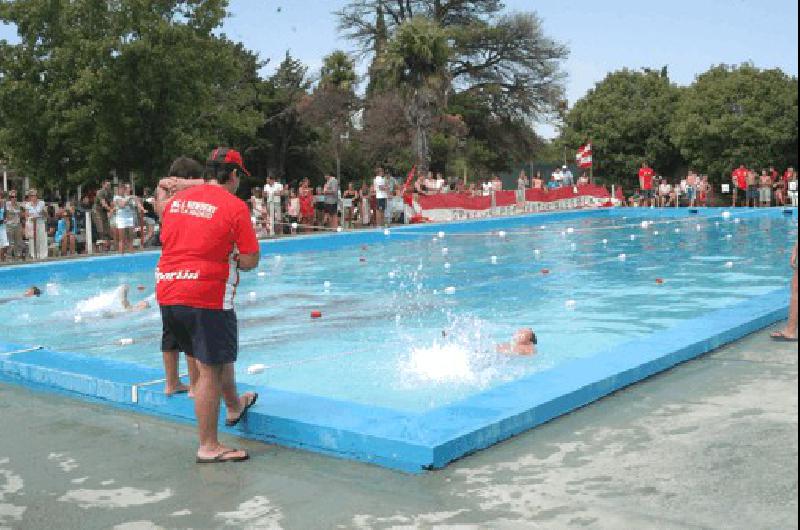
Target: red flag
{"points": [[409, 179], [584, 156]]}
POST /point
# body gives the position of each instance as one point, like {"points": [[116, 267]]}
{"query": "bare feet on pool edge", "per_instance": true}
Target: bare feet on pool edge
{"points": [[221, 455], [246, 401], [180, 389]]}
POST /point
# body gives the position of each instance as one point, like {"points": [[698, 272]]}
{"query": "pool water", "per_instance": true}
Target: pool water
{"points": [[413, 324]]}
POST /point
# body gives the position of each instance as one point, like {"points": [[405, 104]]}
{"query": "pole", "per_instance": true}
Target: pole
{"points": [[5, 180], [89, 234]]}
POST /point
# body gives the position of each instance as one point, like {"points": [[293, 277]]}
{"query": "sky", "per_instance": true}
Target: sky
{"points": [[688, 36]]}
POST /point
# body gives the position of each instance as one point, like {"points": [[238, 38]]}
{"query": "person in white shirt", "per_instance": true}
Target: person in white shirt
{"points": [[440, 184], [381, 196], [430, 183], [486, 187], [664, 190], [127, 207], [497, 184], [273, 191], [567, 177], [558, 178], [36, 227]]}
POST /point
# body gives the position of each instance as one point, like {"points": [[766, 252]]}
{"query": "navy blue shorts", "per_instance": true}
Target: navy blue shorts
{"points": [[209, 335]]}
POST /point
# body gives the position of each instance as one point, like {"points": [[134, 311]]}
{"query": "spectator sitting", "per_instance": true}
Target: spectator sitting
{"points": [[66, 235]]}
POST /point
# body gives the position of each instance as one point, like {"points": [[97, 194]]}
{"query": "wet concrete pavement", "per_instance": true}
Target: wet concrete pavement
{"points": [[710, 444]]}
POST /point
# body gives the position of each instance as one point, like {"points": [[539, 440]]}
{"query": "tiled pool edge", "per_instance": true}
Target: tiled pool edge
{"points": [[402, 441]]}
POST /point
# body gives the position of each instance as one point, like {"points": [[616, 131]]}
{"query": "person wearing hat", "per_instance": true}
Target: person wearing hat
{"points": [[36, 214], [207, 238]]}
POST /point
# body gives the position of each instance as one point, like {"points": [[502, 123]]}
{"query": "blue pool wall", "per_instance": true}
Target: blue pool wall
{"points": [[399, 440]]}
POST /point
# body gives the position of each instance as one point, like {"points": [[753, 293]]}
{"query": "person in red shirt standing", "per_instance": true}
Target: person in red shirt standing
{"points": [[646, 184], [739, 181], [207, 238]]}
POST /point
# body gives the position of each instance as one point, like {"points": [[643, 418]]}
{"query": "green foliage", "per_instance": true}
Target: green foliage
{"points": [[737, 115], [504, 63], [95, 87], [284, 145], [626, 117]]}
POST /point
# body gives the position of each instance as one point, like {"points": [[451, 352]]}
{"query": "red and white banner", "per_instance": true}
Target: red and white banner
{"points": [[584, 156], [453, 206]]}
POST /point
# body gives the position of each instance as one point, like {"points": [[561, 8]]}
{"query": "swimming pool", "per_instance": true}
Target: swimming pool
{"points": [[410, 320]]}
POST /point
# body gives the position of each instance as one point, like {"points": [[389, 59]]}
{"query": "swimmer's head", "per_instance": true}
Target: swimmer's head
{"points": [[525, 336], [33, 291]]}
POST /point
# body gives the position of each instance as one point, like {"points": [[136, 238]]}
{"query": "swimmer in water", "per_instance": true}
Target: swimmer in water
{"points": [[112, 303], [123, 298], [30, 292], [523, 344]]}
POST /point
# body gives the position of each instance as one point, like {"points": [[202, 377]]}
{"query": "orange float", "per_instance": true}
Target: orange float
{"points": [[316, 314]]}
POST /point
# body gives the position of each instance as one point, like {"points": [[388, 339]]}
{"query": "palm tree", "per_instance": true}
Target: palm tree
{"points": [[416, 65]]}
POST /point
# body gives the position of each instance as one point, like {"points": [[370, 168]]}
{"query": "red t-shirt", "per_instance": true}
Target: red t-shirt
{"points": [[646, 178], [203, 229], [740, 175]]}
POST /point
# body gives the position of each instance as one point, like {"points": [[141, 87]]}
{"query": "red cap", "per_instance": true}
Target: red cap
{"points": [[224, 155]]}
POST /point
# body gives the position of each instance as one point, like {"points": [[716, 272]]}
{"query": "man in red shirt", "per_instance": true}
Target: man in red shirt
{"points": [[646, 184], [207, 237], [739, 181]]}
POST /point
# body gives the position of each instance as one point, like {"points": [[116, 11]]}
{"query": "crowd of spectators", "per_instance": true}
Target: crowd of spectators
{"points": [[32, 228], [746, 188]]}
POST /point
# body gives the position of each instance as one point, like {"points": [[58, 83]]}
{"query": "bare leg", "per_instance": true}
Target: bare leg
{"points": [[206, 407], [194, 374], [173, 384], [791, 324], [234, 403]]}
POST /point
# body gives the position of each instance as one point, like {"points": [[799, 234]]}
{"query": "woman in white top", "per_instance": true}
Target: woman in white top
{"points": [[36, 226], [259, 209], [126, 208], [664, 189]]}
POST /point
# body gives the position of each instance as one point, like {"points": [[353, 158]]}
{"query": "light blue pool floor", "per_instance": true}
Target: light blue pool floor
{"points": [[412, 325]]}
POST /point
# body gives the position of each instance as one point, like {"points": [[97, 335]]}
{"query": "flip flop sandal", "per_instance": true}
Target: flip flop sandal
{"points": [[234, 422], [220, 458], [780, 337]]}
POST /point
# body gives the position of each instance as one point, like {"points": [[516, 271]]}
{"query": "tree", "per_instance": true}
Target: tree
{"points": [[332, 104], [737, 115], [127, 85], [626, 117], [505, 63], [284, 143], [416, 65]]}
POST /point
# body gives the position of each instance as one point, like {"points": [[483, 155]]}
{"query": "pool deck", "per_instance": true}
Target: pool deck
{"points": [[710, 444]]}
